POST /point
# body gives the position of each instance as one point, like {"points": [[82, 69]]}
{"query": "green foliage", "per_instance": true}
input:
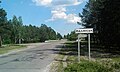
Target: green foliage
{"points": [[7, 48], [87, 66], [72, 36], [7, 41], [13, 31], [59, 36], [43, 33], [51, 33], [16, 28], [116, 65], [46, 33], [38, 34], [3, 24], [103, 16]]}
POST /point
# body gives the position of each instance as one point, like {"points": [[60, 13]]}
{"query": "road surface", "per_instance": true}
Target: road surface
{"points": [[35, 59]]}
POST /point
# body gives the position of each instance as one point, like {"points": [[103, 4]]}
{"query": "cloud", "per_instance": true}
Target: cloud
{"points": [[66, 2], [72, 18], [60, 13], [42, 2], [58, 9], [57, 2]]}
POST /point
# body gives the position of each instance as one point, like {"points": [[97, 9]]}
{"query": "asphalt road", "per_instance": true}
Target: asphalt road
{"points": [[35, 59]]}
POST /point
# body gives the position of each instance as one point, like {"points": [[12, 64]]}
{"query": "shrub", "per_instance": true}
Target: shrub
{"points": [[116, 65], [87, 66], [6, 41]]}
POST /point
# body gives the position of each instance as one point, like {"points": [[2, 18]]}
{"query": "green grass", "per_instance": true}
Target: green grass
{"points": [[116, 59], [57, 66], [98, 64], [60, 64], [7, 48], [87, 66]]}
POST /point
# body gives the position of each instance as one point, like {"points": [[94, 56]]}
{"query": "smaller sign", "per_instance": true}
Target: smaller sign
{"points": [[84, 30], [82, 35]]}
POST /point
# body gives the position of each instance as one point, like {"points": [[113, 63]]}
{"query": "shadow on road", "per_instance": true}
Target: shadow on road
{"points": [[70, 48]]}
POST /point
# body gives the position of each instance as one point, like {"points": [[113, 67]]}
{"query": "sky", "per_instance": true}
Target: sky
{"points": [[61, 15]]}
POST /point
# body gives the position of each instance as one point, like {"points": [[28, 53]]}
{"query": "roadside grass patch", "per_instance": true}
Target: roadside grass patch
{"points": [[87, 66], [101, 63], [9, 47], [116, 59], [57, 65]]}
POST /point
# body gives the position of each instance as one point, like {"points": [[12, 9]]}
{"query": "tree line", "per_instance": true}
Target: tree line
{"points": [[71, 36], [103, 16], [13, 31]]}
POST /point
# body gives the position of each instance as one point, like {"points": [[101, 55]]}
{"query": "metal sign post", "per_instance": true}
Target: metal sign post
{"points": [[78, 48], [89, 45], [84, 31]]}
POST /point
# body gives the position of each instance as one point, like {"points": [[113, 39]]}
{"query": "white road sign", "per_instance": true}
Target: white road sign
{"points": [[84, 30], [82, 35]]}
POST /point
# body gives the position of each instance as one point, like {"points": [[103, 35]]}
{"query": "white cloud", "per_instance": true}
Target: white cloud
{"points": [[42, 2], [66, 2], [72, 18], [57, 2], [58, 9], [60, 13]]}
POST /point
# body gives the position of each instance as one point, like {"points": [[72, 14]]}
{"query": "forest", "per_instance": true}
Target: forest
{"points": [[103, 17], [13, 31]]}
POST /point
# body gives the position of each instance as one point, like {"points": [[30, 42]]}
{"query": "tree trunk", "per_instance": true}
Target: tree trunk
{"points": [[15, 40], [19, 38], [0, 41], [19, 41]]}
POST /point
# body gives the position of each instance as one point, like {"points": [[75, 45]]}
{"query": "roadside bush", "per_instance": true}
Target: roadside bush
{"points": [[6, 41], [116, 65], [87, 66]]}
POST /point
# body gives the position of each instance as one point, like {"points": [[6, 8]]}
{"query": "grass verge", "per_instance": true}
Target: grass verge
{"points": [[94, 65], [7, 48], [57, 65], [87, 66], [101, 65], [97, 64]]}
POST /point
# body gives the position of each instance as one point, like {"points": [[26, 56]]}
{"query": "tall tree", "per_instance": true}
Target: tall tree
{"points": [[20, 28], [13, 31], [43, 33], [3, 22], [72, 36], [51, 33], [103, 16], [59, 36], [15, 28]]}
